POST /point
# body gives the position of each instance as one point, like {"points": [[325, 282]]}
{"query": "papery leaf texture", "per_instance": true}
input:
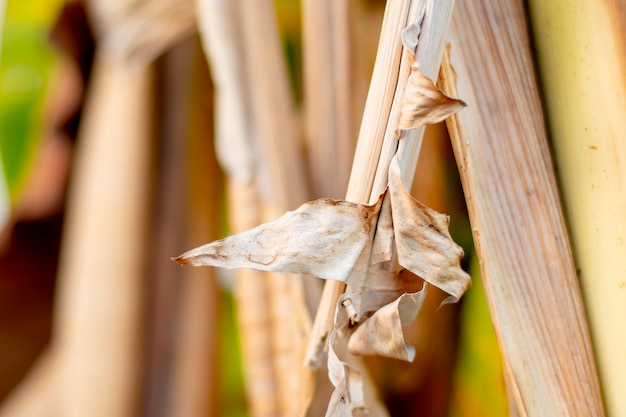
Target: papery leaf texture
{"points": [[424, 103]]}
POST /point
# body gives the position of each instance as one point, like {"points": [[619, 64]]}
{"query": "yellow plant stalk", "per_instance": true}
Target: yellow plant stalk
{"points": [[519, 230], [582, 61]]}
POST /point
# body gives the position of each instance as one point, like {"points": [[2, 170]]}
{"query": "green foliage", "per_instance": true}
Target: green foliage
{"points": [[233, 403], [25, 66]]}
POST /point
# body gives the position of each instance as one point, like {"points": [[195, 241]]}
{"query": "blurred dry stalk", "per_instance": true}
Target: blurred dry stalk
{"points": [[259, 145]]}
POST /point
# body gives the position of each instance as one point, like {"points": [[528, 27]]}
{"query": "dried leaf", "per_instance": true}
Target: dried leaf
{"points": [[371, 248], [410, 34], [382, 333], [339, 404], [334, 239], [326, 238], [424, 103], [348, 382], [423, 242]]}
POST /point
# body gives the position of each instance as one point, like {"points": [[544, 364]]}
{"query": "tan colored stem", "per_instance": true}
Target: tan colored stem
{"points": [[328, 95], [196, 370], [257, 141], [100, 305], [281, 181], [529, 276]]}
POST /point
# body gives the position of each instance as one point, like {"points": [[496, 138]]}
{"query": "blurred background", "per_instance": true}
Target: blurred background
{"points": [[108, 169]]}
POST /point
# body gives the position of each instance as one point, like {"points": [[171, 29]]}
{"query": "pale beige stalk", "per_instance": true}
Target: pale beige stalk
{"points": [[281, 178], [196, 373], [377, 141], [99, 305], [328, 94], [526, 262], [582, 62], [282, 186]]}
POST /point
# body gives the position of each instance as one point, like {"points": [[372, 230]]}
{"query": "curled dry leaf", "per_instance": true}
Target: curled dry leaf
{"points": [[371, 248], [423, 242], [349, 393], [410, 34], [382, 333], [424, 103], [334, 239]]}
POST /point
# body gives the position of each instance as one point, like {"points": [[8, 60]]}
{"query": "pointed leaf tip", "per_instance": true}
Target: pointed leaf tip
{"points": [[180, 259], [326, 238]]}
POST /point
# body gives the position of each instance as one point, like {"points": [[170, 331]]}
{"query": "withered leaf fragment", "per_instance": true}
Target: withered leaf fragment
{"points": [[382, 333], [423, 242], [333, 239], [326, 238], [424, 103]]}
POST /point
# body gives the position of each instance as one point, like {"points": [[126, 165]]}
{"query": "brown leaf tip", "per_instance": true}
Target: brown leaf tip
{"points": [[181, 259]]}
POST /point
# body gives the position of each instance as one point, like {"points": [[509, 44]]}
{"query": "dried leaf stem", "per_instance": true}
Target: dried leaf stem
{"points": [[526, 262]]}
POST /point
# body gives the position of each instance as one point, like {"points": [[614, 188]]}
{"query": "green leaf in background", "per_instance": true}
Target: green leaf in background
{"points": [[25, 65], [478, 389]]}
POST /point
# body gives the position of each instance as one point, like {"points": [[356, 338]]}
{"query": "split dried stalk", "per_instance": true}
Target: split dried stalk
{"points": [[253, 317], [526, 262], [377, 141], [582, 62]]}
